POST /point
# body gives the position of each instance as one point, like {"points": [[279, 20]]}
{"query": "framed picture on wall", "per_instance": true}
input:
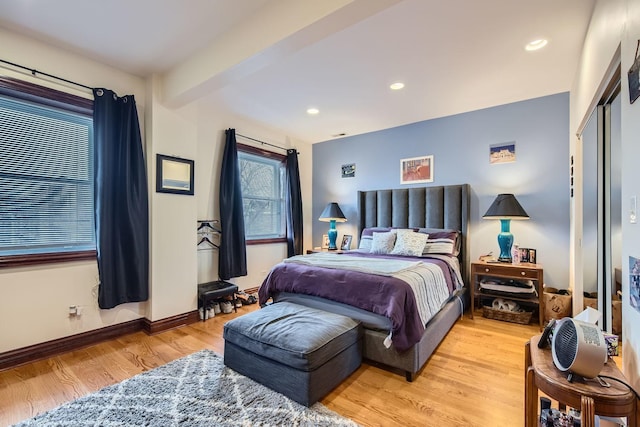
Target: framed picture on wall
{"points": [[502, 153], [416, 170], [349, 170], [174, 175], [634, 282]]}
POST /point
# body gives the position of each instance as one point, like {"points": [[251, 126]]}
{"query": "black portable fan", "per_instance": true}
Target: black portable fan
{"points": [[579, 348]]}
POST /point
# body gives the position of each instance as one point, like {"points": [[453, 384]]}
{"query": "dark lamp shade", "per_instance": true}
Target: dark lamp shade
{"points": [[505, 206], [332, 212]]}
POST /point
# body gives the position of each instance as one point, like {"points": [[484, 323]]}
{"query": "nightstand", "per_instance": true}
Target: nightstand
{"points": [[481, 270]]}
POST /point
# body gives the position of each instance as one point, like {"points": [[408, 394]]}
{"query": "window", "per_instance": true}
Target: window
{"points": [[46, 175], [262, 178]]}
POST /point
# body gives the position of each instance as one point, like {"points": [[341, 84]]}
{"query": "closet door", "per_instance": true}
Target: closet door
{"points": [[602, 207], [591, 205], [612, 215]]}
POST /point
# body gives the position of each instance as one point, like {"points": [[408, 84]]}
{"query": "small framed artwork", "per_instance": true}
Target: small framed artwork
{"points": [[634, 283], [174, 175], [416, 170], [349, 170], [325, 241], [346, 242], [634, 78], [502, 153], [528, 255]]}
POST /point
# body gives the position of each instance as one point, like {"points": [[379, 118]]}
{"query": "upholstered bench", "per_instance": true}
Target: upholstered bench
{"points": [[297, 351]]}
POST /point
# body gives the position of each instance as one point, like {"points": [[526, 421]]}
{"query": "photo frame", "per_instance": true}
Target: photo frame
{"points": [[529, 255], [325, 241], [634, 283], [174, 175], [502, 153], [633, 76], [416, 170], [349, 170], [346, 242]]}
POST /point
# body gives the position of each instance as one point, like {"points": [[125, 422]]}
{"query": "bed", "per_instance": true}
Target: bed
{"points": [[394, 334]]}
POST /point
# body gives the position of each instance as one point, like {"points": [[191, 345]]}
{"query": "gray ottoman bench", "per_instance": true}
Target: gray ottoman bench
{"points": [[297, 351]]}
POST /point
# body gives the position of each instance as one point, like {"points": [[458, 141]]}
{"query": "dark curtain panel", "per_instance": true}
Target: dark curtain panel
{"points": [[121, 201], [294, 205], [233, 252]]}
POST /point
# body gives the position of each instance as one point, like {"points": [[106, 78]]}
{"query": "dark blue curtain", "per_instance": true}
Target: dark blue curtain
{"points": [[121, 201], [233, 252], [294, 205]]}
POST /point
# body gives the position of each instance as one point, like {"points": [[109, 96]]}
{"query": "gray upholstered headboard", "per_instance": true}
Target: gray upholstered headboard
{"points": [[419, 207]]}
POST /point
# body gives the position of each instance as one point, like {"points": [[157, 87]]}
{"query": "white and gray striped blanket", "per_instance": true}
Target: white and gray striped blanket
{"points": [[426, 280]]}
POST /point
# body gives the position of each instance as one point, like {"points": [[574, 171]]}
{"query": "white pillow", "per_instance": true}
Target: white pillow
{"points": [[409, 243], [382, 243], [365, 243]]}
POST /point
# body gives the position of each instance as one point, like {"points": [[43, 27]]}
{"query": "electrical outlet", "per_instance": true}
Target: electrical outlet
{"points": [[73, 310]]}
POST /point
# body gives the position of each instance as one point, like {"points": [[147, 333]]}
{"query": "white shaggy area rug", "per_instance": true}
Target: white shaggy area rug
{"points": [[197, 390]]}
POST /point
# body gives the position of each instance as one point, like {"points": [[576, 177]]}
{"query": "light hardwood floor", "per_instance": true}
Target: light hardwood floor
{"points": [[475, 378]]}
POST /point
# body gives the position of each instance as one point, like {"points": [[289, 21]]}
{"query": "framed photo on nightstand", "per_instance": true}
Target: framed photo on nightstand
{"points": [[528, 255], [325, 241], [346, 242]]}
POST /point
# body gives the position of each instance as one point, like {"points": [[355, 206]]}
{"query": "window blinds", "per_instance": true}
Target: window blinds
{"points": [[46, 179]]}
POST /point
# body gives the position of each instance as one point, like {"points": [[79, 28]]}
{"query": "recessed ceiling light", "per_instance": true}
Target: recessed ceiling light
{"points": [[397, 86], [536, 44], [313, 111]]}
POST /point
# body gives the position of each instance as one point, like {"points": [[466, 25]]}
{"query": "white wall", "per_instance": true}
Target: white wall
{"points": [[34, 301], [212, 123], [630, 186], [173, 216], [615, 23]]}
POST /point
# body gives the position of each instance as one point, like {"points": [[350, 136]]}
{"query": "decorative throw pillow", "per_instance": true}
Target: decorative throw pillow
{"points": [[409, 243], [382, 243], [441, 241]]}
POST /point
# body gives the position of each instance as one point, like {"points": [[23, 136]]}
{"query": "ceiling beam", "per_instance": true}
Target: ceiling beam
{"points": [[279, 29]]}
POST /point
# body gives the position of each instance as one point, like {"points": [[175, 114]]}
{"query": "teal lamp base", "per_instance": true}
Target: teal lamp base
{"points": [[505, 241], [333, 235]]}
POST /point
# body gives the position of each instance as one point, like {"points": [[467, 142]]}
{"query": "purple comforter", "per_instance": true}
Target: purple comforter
{"points": [[383, 295]]}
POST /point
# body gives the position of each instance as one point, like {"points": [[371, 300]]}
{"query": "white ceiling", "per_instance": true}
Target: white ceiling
{"points": [[454, 56]]}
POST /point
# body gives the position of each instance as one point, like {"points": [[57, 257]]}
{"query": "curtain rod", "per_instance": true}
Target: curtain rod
{"points": [[265, 143], [34, 72]]}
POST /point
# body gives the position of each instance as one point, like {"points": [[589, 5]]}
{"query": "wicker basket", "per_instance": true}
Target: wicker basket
{"points": [[523, 317]]}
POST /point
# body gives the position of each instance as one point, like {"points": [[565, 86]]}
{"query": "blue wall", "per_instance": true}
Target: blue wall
{"points": [[460, 145]]}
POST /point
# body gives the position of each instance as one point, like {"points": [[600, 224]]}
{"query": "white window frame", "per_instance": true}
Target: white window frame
{"points": [[270, 158]]}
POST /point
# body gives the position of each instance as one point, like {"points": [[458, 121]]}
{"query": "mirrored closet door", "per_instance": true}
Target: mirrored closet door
{"points": [[602, 208]]}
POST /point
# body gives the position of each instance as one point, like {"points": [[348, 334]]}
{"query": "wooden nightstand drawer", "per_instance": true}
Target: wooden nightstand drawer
{"points": [[511, 271]]}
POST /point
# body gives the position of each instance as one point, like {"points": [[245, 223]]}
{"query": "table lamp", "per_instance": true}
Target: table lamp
{"points": [[332, 214], [505, 208]]}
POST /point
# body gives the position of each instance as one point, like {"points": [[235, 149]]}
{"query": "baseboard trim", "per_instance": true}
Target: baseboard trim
{"points": [[12, 358], [46, 349], [252, 290], [167, 323]]}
